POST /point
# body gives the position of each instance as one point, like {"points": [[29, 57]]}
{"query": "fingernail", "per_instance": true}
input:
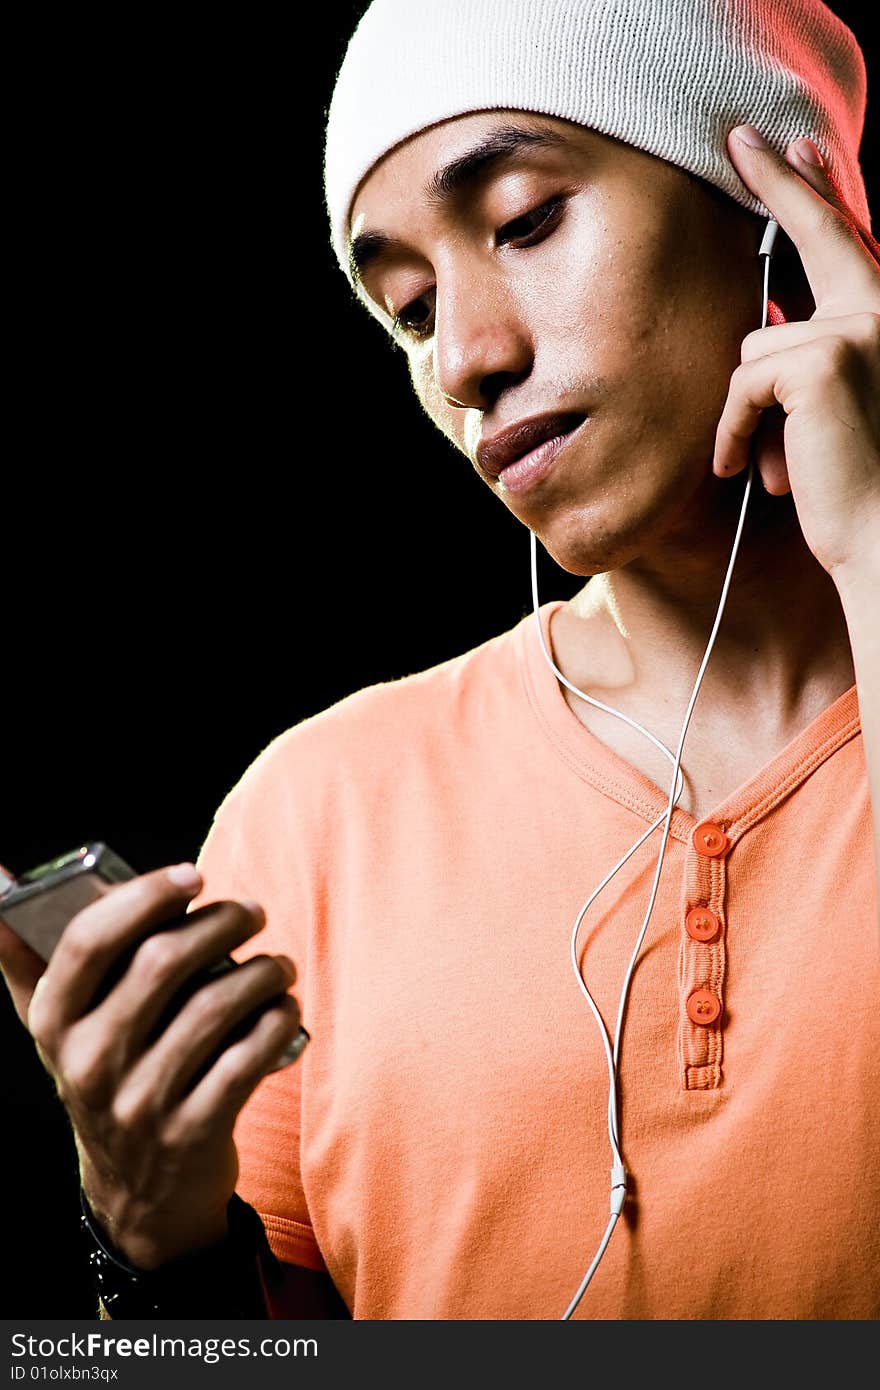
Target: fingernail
{"points": [[807, 151], [255, 908], [185, 876], [750, 136]]}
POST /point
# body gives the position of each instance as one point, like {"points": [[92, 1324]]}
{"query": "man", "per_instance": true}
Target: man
{"points": [[548, 206]]}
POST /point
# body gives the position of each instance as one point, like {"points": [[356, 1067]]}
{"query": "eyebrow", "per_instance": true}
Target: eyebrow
{"points": [[447, 183]]}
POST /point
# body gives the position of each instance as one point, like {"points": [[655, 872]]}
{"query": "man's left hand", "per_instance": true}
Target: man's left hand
{"points": [[825, 373]]}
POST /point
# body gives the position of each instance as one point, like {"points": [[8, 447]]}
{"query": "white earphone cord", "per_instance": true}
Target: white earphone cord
{"points": [[618, 1170]]}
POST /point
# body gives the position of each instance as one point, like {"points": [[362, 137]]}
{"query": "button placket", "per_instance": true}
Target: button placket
{"points": [[703, 958]]}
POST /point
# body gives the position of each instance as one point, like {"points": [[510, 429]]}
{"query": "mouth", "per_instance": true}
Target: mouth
{"points": [[523, 454]]}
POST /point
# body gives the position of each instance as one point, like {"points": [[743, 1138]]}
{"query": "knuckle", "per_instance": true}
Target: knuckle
{"points": [[254, 971], [206, 1008], [158, 956], [79, 938], [129, 1110], [182, 1133], [42, 1020], [83, 1075], [741, 374], [752, 345], [230, 1076]]}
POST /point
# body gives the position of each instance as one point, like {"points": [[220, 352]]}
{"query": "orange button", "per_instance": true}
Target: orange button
{"points": [[703, 1007], [702, 924], [709, 839]]}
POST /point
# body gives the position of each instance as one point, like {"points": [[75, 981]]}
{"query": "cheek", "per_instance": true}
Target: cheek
{"points": [[658, 329], [600, 305]]}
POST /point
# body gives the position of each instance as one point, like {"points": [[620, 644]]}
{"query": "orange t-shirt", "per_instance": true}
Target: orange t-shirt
{"points": [[422, 849]]}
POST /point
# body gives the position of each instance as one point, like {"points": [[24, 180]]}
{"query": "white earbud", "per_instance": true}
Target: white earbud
{"points": [[769, 238]]}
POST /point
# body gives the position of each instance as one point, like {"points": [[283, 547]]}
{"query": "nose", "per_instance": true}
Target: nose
{"points": [[481, 345]]}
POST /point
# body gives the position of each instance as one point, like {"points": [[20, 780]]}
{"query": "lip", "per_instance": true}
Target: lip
{"points": [[495, 455]]}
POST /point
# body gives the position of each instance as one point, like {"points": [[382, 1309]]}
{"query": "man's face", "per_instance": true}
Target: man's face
{"points": [[579, 278]]}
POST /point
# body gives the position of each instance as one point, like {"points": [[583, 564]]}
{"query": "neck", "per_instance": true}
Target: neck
{"points": [[781, 653]]}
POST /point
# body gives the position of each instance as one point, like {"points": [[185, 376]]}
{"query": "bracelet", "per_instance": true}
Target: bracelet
{"points": [[223, 1280]]}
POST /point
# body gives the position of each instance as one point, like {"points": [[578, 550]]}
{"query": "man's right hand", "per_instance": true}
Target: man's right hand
{"points": [[157, 1159]]}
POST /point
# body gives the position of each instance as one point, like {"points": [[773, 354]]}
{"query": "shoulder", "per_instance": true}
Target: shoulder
{"points": [[365, 732]]}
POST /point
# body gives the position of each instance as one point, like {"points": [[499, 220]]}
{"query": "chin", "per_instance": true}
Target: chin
{"points": [[588, 542], [657, 506]]}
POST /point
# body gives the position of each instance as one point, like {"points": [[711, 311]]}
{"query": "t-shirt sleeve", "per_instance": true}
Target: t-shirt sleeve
{"points": [[248, 853]]}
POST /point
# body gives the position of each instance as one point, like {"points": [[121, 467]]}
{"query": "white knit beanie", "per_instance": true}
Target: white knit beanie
{"points": [[672, 77]]}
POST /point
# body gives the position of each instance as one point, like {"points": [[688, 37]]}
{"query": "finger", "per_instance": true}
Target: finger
{"points": [[162, 965], [21, 969], [752, 391], [238, 1071], [768, 451], [802, 155], [779, 337], [834, 257], [197, 1032], [95, 939], [778, 378]]}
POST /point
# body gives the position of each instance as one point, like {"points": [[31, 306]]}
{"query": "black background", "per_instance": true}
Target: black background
{"points": [[222, 507]]}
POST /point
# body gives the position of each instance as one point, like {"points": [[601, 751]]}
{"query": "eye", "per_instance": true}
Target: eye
{"points": [[415, 318], [532, 226]]}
